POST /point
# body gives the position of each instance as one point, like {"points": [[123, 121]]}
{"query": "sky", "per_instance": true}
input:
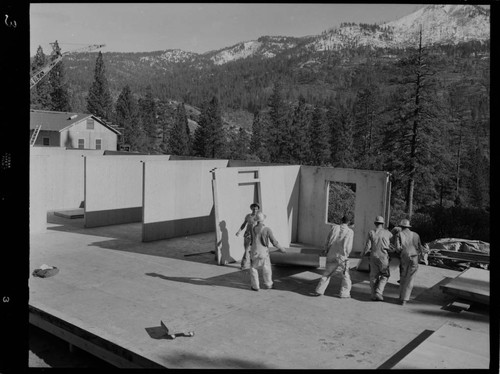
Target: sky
{"points": [[192, 27]]}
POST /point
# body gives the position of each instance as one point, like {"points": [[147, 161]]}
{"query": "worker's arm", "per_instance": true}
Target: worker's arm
{"points": [[368, 245], [348, 244], [273, 240], [242, 226]]}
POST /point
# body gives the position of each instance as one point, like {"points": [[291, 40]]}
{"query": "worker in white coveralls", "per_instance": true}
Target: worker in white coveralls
{"points": [[378, 245], [338, 246], [247, 225], [410, 248], [259, 253]]}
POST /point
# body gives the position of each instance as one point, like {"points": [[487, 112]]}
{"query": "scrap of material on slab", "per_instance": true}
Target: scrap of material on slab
{"points": [[449, 347], [296, 256], [472, 284], [70, 213]]}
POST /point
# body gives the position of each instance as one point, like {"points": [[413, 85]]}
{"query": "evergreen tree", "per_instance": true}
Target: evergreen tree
{"points": [[258, 140], [215, 137], [300, 133], [279, 134], [199, 147], [365, 132], [341, 126], [239, 145], [419, 120], [179, 135], [127, 119], [40, 94], [60, 99], [148, 114], [99, 102], [320, 147]]}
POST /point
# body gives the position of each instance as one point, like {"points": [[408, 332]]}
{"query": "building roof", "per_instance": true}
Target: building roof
{"points": [[58, 121]]}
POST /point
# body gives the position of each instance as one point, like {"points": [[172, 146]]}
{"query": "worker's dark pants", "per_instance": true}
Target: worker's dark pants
{"points": [[245, 261], [379, 274], [408, 268]]}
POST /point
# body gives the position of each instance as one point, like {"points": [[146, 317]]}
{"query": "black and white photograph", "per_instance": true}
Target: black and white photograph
{"points": [[258, 186]]}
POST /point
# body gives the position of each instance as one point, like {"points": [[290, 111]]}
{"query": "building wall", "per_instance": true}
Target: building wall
{"points": [[113, 189], [56, 181], [54, 138], [37, 197], [371, 201], [178, 198], [70, 136], [277, 191]]}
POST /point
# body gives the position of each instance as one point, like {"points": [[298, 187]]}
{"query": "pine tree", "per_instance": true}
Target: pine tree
{"points": [[99, 102], [60, 99], [365, 132], [199, 147], [179, 136], [418, 118], [258, 141], [320, 147], [148, 114], [300, 133], [341, 126], [215, 137], [127, 119], [279, 135], [40, 94]]}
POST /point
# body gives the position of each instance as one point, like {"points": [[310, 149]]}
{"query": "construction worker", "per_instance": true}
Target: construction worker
{"points": [[378, 245], [259, 252], [409, 246], [248, 223], [337, 247]]}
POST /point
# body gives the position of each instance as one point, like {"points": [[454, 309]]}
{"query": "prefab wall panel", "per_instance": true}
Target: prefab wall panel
{"points": [[277, 193], [371, 201], [37, 202], [63, 178], [113, 190], [178, 198]]}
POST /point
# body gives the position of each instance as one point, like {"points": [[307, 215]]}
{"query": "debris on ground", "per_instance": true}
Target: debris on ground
{"points": [[45, 271], [459, 254]]}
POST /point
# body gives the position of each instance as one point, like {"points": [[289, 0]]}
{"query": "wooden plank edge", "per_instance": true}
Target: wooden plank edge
{"points": [[91, 343]]}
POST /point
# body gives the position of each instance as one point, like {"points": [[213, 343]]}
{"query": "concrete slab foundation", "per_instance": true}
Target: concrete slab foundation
{"points": [[112, 289]]}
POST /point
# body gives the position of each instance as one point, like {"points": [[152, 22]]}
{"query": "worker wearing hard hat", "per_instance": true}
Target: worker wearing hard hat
{"points": [[337, 248], [409, 245], [259, 253], [378, 245]]}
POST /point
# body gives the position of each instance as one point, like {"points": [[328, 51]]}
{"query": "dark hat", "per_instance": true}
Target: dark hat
{"points": [[255, 204]]}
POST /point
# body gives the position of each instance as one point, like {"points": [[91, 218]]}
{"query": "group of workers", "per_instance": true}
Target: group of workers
{"points": [[380, 246]]}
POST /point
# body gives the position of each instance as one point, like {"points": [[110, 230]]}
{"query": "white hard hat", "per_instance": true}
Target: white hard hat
{"points": [[259, 217], [404, 223], [379, 219]]}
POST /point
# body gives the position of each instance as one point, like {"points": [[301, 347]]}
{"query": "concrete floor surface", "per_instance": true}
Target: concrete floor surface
{"points": [[113, 285]]}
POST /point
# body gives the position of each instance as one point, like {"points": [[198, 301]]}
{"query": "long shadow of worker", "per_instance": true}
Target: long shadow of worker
{"points": [[223, 245], [239, 279]]}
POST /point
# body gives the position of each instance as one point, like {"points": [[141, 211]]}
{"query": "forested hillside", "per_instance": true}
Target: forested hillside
{"points": [[420, 113]]}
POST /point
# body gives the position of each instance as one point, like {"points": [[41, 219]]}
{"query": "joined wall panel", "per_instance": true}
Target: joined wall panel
{"points": [[177, 198]]}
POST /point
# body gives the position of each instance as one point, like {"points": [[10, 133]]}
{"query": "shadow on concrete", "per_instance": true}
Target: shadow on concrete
{"points": [[239, 279], [192, 361]]}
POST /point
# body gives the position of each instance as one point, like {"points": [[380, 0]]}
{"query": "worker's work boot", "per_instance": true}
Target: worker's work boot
{"points": [[378, 297]]}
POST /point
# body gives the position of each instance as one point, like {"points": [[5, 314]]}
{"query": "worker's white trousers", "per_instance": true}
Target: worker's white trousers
{"points": [[408, 270], [267, 274], [379, 274], [338, 268]]}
